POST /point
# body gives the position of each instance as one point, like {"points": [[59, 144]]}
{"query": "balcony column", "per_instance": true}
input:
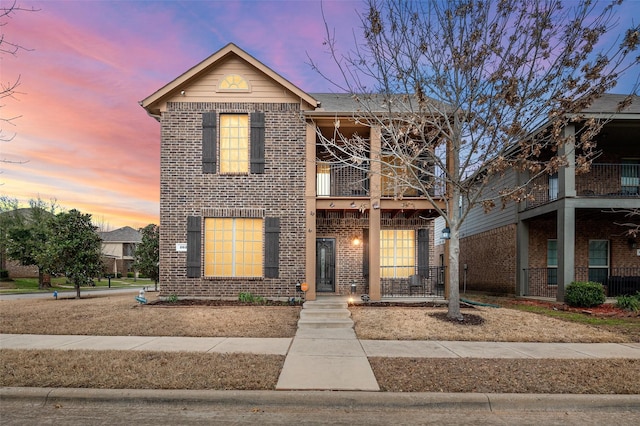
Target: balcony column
{"points": [[566, 246], [375, 215], [310, 211], [567, 175], [522, 258]]}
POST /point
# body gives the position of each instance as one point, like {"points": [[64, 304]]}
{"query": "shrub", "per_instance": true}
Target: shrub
{"points": [[250, 298], [129, 274], [172, 298], [4, 274], [585, 294], [629, 303]]}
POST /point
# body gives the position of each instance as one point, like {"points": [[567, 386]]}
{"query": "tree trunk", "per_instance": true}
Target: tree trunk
{"points": [[454, 276], [77, 290]]}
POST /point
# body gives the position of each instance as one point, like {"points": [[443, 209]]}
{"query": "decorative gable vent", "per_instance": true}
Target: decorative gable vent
{"points": [[233, 83]]}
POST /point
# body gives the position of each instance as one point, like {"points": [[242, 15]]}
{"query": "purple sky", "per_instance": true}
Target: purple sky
{"points": [[86, 141]]}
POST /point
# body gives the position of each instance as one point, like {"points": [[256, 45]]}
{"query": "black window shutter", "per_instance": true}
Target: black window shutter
{"points": [[365, 252], [423, 252], [209, 142], [271, 247], [257, 142], [193, 246]]}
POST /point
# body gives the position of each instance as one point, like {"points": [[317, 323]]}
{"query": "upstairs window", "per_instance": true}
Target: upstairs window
{"points": [[234, 143]]}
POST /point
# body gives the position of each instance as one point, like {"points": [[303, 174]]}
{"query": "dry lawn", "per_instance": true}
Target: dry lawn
{"points": [[120, 315], [500, 325]]}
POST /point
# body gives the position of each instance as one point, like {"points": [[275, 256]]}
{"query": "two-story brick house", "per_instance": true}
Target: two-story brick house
{"points": [[249, 202], [571, 231]]}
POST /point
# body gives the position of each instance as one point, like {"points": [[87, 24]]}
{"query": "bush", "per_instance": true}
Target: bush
{"points": [[629, 303], [4, 274], [585, 294], [129, 274], [251, 298]]}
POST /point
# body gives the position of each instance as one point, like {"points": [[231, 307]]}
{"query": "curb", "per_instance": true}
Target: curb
{"points": [[347, 399]]}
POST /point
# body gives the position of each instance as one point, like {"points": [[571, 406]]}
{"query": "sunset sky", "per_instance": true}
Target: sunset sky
{"points": [[82, 138]]}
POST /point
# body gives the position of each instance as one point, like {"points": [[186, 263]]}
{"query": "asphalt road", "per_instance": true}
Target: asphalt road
{"points": [[90, 407]]}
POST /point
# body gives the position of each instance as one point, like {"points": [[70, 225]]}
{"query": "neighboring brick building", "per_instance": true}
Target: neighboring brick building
{"points": [[570, 232], [246, 206]]}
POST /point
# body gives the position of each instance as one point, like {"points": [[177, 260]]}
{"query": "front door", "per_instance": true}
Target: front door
{"points": [[325, 265]]}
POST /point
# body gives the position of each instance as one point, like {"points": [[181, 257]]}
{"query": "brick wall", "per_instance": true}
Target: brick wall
{"points": [[186, 191], [491, 260]]}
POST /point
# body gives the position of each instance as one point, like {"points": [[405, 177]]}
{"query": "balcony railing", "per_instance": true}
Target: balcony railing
{"points": [[603, 180], [339, 180], [429, 284], [543, 282]]}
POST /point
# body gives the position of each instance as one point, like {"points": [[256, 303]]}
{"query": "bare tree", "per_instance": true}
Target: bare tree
{"points": [[472, 89], [8, 89]]}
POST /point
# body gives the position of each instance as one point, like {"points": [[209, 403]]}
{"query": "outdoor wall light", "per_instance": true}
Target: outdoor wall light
{"points": [[632, 243], [355, 241], [353, 205], [376, 206], [446, 233], [353, 287]]}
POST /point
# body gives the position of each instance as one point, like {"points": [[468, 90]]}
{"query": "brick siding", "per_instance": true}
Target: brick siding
{"points": [[186, 191], [491, 260]]}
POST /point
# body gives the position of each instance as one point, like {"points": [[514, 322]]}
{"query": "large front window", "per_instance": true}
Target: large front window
{"points": [[397, 253], [233, 247], [234, 143]]}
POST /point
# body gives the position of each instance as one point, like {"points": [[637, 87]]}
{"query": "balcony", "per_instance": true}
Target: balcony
{"points": [[603, 180], [340, 180]]}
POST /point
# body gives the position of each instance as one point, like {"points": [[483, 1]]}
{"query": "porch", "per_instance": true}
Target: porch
{"points": [[543, 282], [425, 283]]}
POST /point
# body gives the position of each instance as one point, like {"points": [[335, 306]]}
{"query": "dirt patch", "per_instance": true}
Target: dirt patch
{"points": [[467, 319]]}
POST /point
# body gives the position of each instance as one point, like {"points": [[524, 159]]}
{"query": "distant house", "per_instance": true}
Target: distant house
{"points": [[569, 232], [15, 268], [118, 249], [250, 201]]}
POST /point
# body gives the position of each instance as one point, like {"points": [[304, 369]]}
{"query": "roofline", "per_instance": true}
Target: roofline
{"points": [[226, 50]]}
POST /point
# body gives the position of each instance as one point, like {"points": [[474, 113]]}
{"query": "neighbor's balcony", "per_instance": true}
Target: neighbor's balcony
{"points": [[603, 180]]}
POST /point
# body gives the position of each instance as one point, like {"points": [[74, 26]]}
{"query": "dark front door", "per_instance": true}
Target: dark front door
{"points": [[325, 265]]}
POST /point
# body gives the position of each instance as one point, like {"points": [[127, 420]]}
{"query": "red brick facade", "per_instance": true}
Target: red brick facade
{"points": [[491, 260]]}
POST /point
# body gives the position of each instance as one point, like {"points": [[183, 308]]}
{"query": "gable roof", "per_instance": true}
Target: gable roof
{"points": [[198, 70], [121, 235], [609, 104]]}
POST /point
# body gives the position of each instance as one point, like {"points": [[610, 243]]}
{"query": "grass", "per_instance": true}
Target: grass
{"points": [[30, 285]]}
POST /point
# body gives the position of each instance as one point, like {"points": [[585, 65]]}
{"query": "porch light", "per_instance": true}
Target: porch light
{"points": [[353, 205], [446, 233], [353, 287], [376, 206], [355, 241]]}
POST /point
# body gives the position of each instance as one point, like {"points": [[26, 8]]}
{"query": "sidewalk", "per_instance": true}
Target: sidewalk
{"points": [[281, 346]]}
